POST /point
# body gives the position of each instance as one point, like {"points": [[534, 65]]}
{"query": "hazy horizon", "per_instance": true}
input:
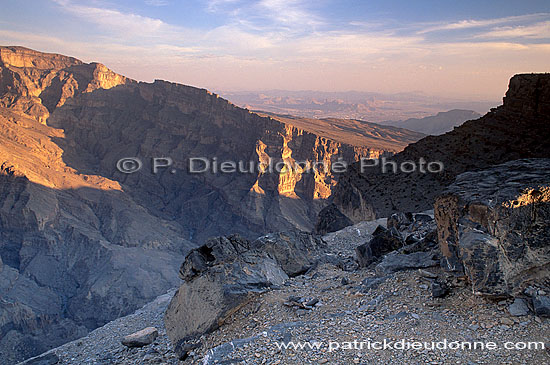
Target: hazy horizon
{"points": [[467, 50]]}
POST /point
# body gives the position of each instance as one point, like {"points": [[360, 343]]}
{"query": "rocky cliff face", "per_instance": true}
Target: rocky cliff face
{"points": [[493, 225], [517, 129], [76, 251], [170, 120], [36, 83], [82, 243]]}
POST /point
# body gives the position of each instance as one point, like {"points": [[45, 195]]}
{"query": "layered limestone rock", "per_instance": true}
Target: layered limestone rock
{"points": [[36, 83], [517, 129], [494, 225], [22, 57]]}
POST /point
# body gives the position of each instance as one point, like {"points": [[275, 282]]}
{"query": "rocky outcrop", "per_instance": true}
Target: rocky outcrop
{"points": [[494, 226], [518, 129], [392, 252], [215, 287], [225, 273], [528, 96], [215, 251]]}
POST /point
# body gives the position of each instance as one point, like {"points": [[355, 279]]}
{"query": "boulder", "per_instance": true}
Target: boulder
{"points": [[414, 226], [215, 251], [422, 218], [330, 219], [226, 273], [415, 243], [295, 251], [518, 308], [141, 338], [206, 300], [384, 241], [541, 305], [494, 224]]}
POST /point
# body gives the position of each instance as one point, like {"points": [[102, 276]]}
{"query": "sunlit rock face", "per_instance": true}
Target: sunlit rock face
{"points": [[290, 179], [36, 83], [520, 128], [82, 243], [494, 225]]}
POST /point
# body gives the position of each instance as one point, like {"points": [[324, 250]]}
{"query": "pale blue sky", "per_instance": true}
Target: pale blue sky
{"points": [[450, 48]]}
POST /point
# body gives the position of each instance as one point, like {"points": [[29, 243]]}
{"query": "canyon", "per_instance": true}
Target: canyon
{"points": [[82, 243], [84, 240]]}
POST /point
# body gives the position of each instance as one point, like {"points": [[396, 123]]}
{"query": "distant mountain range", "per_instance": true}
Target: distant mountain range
{"points": [[368, 106], [437, 124]]}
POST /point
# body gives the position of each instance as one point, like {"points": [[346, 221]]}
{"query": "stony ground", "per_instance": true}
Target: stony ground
{"points": [[400, 308], [351, 307], [103, 345]]}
